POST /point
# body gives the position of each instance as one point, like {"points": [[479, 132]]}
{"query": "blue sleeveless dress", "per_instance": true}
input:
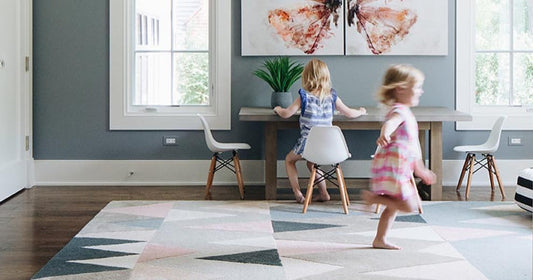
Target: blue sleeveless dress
{"points": [[314, 112]]}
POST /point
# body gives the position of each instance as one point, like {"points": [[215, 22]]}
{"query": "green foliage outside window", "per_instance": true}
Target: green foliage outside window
{"points": [[496, 61], [193, 78]]}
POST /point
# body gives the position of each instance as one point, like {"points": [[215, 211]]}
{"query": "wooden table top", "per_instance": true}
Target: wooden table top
{"points": [[374, 114]]}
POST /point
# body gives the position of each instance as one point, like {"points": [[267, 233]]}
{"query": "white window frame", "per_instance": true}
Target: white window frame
{"points": [[150, 118], [519, 118]]}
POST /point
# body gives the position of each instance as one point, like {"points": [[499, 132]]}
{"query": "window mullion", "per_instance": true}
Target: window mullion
{"points": [[511, 54], [172, 66]]}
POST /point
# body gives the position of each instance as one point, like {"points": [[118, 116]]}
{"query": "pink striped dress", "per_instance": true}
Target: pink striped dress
{"points": [[393, 165]]}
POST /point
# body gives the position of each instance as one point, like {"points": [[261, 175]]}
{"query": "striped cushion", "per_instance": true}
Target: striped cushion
{"points": [[524, 190]]}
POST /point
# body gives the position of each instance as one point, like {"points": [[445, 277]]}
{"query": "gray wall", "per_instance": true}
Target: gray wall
{"points": [[71, 81]]}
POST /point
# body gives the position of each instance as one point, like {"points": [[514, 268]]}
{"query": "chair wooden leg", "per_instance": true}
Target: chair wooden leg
{"points": [[345, 187], [210, 177], [238, 173], [342, 189], [470, 172], [309, 192], [493, 164], [490, 168], [465, 165]]}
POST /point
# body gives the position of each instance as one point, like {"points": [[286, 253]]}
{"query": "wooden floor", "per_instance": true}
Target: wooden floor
{"points": [[36, 223]]}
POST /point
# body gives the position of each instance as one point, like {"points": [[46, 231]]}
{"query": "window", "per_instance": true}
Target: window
{"points": [[169, 60], [494, 67]]}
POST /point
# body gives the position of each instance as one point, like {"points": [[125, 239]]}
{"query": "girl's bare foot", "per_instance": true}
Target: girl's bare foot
{"points": [[385, 245], [322, 198], [299, 197]]}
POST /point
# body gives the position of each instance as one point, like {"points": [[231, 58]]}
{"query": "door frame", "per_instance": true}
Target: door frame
{"points": [[17, 172]]}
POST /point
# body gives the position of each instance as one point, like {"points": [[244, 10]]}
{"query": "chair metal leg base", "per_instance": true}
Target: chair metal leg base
{"points": [[233, 164], [490, 165], [326, 176]]}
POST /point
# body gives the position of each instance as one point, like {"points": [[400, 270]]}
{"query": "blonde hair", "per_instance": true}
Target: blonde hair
{"points": [[400, 75], [316, 78]]}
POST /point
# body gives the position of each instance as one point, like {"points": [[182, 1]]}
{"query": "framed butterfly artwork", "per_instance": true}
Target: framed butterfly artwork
{"points": [[396, 27], [292, 27], [344, 27]]}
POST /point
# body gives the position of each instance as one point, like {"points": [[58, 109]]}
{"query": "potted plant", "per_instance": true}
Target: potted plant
{"points": [[280, 73]]}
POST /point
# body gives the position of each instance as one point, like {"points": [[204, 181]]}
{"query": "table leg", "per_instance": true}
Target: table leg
{"points": [[271, 184], [435, 158], [422, 140]]}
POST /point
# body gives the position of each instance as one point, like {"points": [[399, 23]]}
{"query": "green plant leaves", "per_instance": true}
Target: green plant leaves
{"points": [[280, 73]]}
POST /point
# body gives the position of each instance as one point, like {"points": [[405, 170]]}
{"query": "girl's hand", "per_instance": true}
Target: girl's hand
{"points": [[428, 177], [362, 110], [383, 141], [276, 110]]}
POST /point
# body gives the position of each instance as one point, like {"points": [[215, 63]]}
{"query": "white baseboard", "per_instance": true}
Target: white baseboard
{"points": [[194, 172]]}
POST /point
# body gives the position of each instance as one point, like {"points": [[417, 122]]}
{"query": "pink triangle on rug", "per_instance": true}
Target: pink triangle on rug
{"points": [[155, 251], [261, 226], [158, 210]]}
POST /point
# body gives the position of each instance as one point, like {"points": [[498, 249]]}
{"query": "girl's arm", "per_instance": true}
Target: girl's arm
{"points": [[289, 111], [347, 111], [388, 128]]}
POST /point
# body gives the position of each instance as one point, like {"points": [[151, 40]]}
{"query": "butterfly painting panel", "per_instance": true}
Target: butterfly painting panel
{"points": [[396, 27], [292, 27]]}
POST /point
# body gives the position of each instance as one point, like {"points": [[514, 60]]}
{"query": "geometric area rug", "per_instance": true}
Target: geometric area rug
{"points": [[274, 240]]}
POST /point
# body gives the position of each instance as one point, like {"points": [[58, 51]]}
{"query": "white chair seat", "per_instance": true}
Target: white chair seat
{"points": [[476, 149], [326, 146], [226, 147]]}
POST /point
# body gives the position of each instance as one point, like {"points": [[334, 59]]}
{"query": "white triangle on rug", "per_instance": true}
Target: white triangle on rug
{"points": [[134, 248], [504, 221], [416, 233], [260, 226], [526, 237], [298, 269], [444, 249], [460, 270], [109, 227], [158, 210], [298, 247], [255, 207], [122, 262], [263, 242], [144, 271], [501, 207], [140, 235], [457, 233], [183, 215], [156, 251]]}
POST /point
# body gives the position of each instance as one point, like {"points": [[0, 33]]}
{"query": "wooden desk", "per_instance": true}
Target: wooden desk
{"points": [[429, 118]]}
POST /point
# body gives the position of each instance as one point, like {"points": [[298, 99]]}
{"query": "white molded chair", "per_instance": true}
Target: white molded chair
{"points": [[217, 148], [487, 150], [326, 146]]}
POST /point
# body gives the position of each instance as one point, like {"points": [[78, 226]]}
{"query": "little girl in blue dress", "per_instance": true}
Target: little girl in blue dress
{"points": [[317, 102]]}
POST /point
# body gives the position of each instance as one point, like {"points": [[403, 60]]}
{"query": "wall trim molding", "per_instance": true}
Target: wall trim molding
{"points": [[194, 172]]}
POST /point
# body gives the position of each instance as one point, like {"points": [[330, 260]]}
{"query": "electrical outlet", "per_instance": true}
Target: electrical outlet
{"points": [[170, 141], [515, 141]]}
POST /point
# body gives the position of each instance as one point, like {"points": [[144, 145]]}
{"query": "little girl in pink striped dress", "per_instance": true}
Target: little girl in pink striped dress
{"points": [[398, 155]]}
